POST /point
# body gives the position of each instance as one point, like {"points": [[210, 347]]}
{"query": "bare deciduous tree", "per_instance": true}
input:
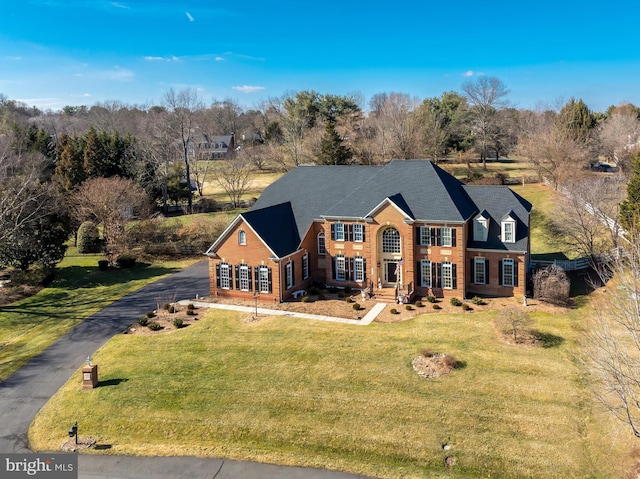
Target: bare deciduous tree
{"points": [[183, 106], [611, 346], [234, 176], [486, 95], [111, 202], [551, 284], [619, 136], [515, 323]]}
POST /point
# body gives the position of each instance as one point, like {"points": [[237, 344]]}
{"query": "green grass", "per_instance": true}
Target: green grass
{"points": [[29, 326], [298, 392]]}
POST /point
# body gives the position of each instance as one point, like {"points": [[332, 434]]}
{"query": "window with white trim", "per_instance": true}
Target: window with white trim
{"points": [[225, 276], [263, 279], [508, 272], [445, 236], [358, 264], [509, 231], [338, 231], [358, 232], [305, 266], [425, 236], [390, 241], [242, 237], [479, 271], [447, 275], [425, 274], [480, 228], [243, 277], [288, 274], [322, 245], [341, 268]]}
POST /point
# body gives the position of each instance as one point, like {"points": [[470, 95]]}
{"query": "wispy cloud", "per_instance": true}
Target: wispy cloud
{"points": [[189, 16], [248, 88], [471, 73], [13, 58], [117, 74], [172, 58], [219, 59], [120, 5]]}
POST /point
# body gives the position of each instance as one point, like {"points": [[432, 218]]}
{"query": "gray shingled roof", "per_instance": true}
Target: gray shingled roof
{"points": [[499, 201], [276, 225], [421, 189]]}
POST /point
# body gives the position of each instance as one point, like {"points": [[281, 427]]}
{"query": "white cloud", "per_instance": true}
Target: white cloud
{"points": [[120, 5], [189, 16], [172, 58], [248, 88], [118, 74], [220, 59], [471, 73]]}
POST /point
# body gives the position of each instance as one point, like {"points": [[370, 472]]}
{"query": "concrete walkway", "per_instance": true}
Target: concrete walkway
{"points": [[24, 393], [368, 318]]}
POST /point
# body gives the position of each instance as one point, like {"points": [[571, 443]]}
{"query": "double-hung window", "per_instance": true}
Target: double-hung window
{"points": [[288, 271], [322, 245], [508, 231], [225, 276], [263, 279], [445, 236], [425, 274], [508, 272], [242, 237], [243, 277], [358, 232], [341, 268], [447, 275], [425, 236], [480, 228], [338, 231], [479, 271], [358, 263], [305, 266]]}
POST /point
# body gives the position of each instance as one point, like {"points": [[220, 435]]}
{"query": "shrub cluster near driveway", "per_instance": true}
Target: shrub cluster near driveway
{"points": [[298, 392], [29, 326]]}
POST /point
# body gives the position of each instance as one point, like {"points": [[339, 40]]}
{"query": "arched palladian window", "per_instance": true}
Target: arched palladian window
{"points": [[390, 241], [242, 237]]}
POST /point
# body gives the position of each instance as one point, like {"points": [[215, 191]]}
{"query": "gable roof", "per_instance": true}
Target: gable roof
{"points": [[420, 189], [276, 226], [501, 202]]}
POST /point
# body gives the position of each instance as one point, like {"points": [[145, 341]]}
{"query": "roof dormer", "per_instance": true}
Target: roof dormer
{"points": [[481, 226]]}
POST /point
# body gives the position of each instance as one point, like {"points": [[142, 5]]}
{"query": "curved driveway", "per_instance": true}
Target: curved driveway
{"points": [[28, 389]]}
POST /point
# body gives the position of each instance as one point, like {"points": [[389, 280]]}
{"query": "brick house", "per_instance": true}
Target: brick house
{"points": [[402, 229]]}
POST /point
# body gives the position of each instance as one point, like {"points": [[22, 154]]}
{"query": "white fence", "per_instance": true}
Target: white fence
{"points": [[565, 264]]}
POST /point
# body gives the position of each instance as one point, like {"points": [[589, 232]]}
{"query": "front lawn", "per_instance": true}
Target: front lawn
{"points": [[29, 326], [309, 393]]}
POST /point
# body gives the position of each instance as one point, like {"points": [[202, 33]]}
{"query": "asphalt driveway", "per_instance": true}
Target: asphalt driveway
{"points": [[24, 393]]}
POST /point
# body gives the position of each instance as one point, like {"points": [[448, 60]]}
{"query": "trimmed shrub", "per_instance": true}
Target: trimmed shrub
{"points": [[88, 238], [125, 261], [356, 306], [348, 299], [151, 314], [456, 302], [431, 298], [477, 300], [419, 304], [321, 295], [347, 289], [394, 311], [450, 360], [332, 289], [190, 307], [408, 307], [172, 309], [466, 307], [305, 299], [313, 290], [191, 312], [178, 323], [166, 306], [153, 326], [427, 352], [340, 294], [143, 321], [437, 306], [207, 205]]}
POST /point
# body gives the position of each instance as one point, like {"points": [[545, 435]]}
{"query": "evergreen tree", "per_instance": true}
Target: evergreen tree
{"points": [[576, 120], [333, 151], [630, 207], [70, 172]]}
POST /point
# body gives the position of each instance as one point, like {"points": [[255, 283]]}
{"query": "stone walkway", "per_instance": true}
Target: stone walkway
{"points": [[368, 318]]}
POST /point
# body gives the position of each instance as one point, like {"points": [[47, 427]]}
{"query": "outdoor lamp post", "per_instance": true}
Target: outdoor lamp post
{"points": [[255, 297], [74, 431]]}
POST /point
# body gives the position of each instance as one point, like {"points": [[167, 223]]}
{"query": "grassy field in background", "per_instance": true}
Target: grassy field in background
{"points": [[29, 326], [327, 395]]}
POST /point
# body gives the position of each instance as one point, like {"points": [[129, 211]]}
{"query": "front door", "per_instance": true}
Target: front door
{"points": [[392, 275]]}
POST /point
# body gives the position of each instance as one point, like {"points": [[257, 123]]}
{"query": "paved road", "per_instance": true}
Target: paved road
{"points": [[28, 389]]}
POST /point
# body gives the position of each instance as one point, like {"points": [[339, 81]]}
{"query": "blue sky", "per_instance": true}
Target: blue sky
{"points": [[80, 52]]}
